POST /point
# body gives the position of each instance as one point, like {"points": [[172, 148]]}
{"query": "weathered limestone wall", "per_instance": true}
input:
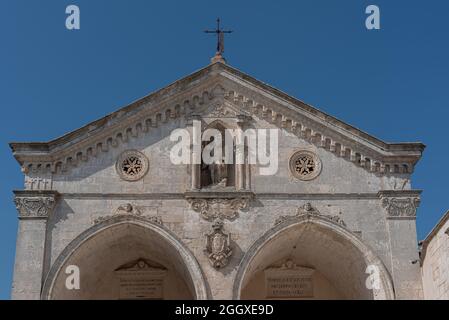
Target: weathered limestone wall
{"points": [[435, 266]]}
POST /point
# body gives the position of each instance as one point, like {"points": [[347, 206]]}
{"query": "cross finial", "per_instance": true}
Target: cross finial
{"points": [[220, 41]]}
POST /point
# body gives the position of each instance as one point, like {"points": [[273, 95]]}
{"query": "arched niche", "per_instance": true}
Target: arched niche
{"points": [[107, 255], [333, 260]]}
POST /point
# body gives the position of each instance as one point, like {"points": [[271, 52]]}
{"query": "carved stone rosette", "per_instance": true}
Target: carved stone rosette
{"points": [[129, 209], [35, 204], [216, 208], [308, 209], [218, 246]]}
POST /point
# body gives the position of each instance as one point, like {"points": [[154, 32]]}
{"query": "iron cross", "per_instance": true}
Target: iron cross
{"points": [[220, 37]]}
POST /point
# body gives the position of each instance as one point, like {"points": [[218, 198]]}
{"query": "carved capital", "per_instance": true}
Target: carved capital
{"points": [[35, 204], [400, 205], [217, 208]]}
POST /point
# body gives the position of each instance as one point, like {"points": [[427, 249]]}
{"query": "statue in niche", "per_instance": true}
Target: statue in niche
{"points": [[219, 173]]}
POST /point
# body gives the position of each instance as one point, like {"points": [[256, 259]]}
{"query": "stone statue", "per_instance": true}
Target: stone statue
{"points": [[219, 173]]}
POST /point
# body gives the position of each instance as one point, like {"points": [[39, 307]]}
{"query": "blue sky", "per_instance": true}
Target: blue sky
{"points": [[392, 83]]}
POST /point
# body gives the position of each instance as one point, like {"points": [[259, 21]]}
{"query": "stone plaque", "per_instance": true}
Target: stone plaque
{"points": [[141, 281], [289, 281]]}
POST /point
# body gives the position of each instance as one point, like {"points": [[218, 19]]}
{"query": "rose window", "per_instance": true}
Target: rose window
{"points": [[132, 165], [305, 165]]}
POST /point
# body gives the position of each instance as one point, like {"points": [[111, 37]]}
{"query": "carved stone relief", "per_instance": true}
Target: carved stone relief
{"points": [[218, 246], [400, 207], [216, 208], [308, 209], [35, 206], [129, 209]]}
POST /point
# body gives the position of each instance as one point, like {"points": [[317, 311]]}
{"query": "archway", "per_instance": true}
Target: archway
{"points": [[311, 257], [127, 257]]}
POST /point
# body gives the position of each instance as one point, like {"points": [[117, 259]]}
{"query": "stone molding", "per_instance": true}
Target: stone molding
{"points": [[35, 204], [129, 210], [308, 210], [400, 204], [368, 156]]}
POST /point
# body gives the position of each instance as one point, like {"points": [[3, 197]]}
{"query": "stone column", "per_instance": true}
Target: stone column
{"points": [[240, 169], [400, 208], [241, 172], [34, 207], [195, 132], [196, 176]]}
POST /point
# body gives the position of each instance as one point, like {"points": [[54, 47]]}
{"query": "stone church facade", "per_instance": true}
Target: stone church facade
{"points": [[336, 220]]}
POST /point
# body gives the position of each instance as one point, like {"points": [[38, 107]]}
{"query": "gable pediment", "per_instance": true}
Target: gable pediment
{"points": [[219, 91]]}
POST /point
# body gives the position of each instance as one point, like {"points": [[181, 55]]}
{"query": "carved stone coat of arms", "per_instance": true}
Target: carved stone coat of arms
{"points": [[218, 246]]}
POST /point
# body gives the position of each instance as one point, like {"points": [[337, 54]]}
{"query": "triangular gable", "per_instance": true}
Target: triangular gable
{"points": [[218, 84]]}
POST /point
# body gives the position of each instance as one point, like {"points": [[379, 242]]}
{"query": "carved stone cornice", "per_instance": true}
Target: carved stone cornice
{"points": [[400, 204], [201, 89], [219, 205], [308, 210], [147, 113], [326, 132], [35, 204]]}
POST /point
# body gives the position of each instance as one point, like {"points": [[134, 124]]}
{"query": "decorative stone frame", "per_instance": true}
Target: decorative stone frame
{"points": [[145, 163], [317, 164]]}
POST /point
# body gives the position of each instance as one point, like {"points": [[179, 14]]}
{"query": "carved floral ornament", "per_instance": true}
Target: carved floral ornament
{"points": [[401, 207], [129, 210], [308, 210], [132, 165], [216, 208], [35, 206], [305, 165], [218, 246]]}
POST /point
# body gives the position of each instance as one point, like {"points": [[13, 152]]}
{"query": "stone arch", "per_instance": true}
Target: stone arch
{"points": [[127, 227], [345, 268]]}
